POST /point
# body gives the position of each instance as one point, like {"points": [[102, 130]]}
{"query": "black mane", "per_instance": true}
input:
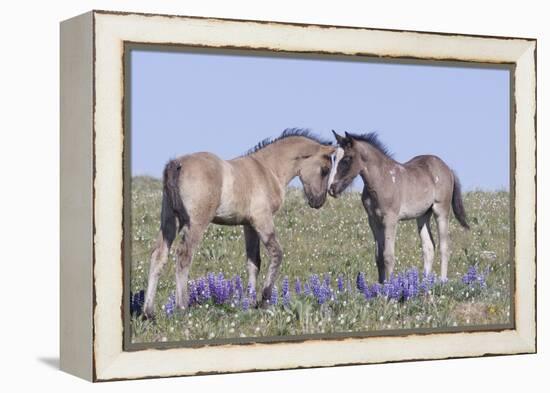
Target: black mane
{"points": [[372, 139], [304, 132]]}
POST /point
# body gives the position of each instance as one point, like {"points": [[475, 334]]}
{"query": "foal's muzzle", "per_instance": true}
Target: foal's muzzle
{"points": [[332, 191], [315, 201]]}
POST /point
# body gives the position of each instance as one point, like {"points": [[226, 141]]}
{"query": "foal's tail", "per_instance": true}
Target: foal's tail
{"points": [[172, 204], [458, 206]]}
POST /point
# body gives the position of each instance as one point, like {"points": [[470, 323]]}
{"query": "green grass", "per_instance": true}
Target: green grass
{"points": [[334, 239]]}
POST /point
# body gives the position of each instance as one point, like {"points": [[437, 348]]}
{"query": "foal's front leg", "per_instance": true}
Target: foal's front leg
{"points": [[389, 229], [253, 259], [378, 235], [266, 231]]}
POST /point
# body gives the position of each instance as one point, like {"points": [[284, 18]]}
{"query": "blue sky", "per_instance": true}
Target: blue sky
{"points": [[225, 103]]}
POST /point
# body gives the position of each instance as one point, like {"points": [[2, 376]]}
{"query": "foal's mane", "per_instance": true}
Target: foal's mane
{"points": [[303, 132], [372, 139]]}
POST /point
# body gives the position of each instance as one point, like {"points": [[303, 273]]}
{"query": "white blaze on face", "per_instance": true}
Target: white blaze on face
{"points": [[337, 157]]}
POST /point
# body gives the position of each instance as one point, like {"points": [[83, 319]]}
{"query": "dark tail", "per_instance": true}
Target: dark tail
{"points": [[458, 206], [172, 205]]}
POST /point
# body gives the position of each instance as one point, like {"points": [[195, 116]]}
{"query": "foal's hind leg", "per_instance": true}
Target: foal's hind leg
{"points": [[191, 236], [159, 256], [423, 223], [252, 243], [442, 219]]}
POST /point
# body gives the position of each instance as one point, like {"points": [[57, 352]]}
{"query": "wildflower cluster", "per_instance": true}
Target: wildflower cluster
{"points": [[401, 286], [217, 289], [474, 278]]}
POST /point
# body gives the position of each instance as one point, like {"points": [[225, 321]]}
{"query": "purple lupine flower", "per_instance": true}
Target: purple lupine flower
{"points": [[133, 309], [315, 285], [227, 290], [405, 293], [473, 277], [136, 302], [222, 289], [307, 289], [470, 276], [360, 282], [211, 278], [326, 292], [193, 293], [170, 305], [285, 292], [401, 284], [274, 299], [391, 289], [368, 292], [340, 283], [245, 303], [401, 287], [321, 290], [428, 282], [217, 288], [412, 276], [204, 287], [375, 290], [297, 286]]}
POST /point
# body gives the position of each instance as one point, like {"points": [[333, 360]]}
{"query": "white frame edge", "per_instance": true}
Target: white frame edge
{"points": [[76, 174], [111, 30]]}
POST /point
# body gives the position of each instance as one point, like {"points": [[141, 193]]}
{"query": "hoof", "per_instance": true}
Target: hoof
{"points": [[148, 316], [264, 305]]}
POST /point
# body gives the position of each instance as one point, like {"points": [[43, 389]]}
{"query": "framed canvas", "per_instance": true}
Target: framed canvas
{"points": [[194, 148]]}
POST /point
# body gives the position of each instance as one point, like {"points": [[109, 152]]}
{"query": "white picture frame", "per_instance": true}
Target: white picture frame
{"points": [[92, 193]]}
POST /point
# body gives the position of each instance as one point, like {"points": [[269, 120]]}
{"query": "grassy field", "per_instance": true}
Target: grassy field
{"points": [[334, 241]]}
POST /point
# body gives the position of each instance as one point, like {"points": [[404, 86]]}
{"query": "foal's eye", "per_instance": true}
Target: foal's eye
{"points": [[346, 161], [325, 171]]}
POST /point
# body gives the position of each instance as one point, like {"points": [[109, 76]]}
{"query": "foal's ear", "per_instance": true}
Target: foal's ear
{"points": [[339, 138], [348, 140]]}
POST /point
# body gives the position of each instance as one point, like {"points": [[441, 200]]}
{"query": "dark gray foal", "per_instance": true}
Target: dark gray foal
{"points": [[393, 191]]}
